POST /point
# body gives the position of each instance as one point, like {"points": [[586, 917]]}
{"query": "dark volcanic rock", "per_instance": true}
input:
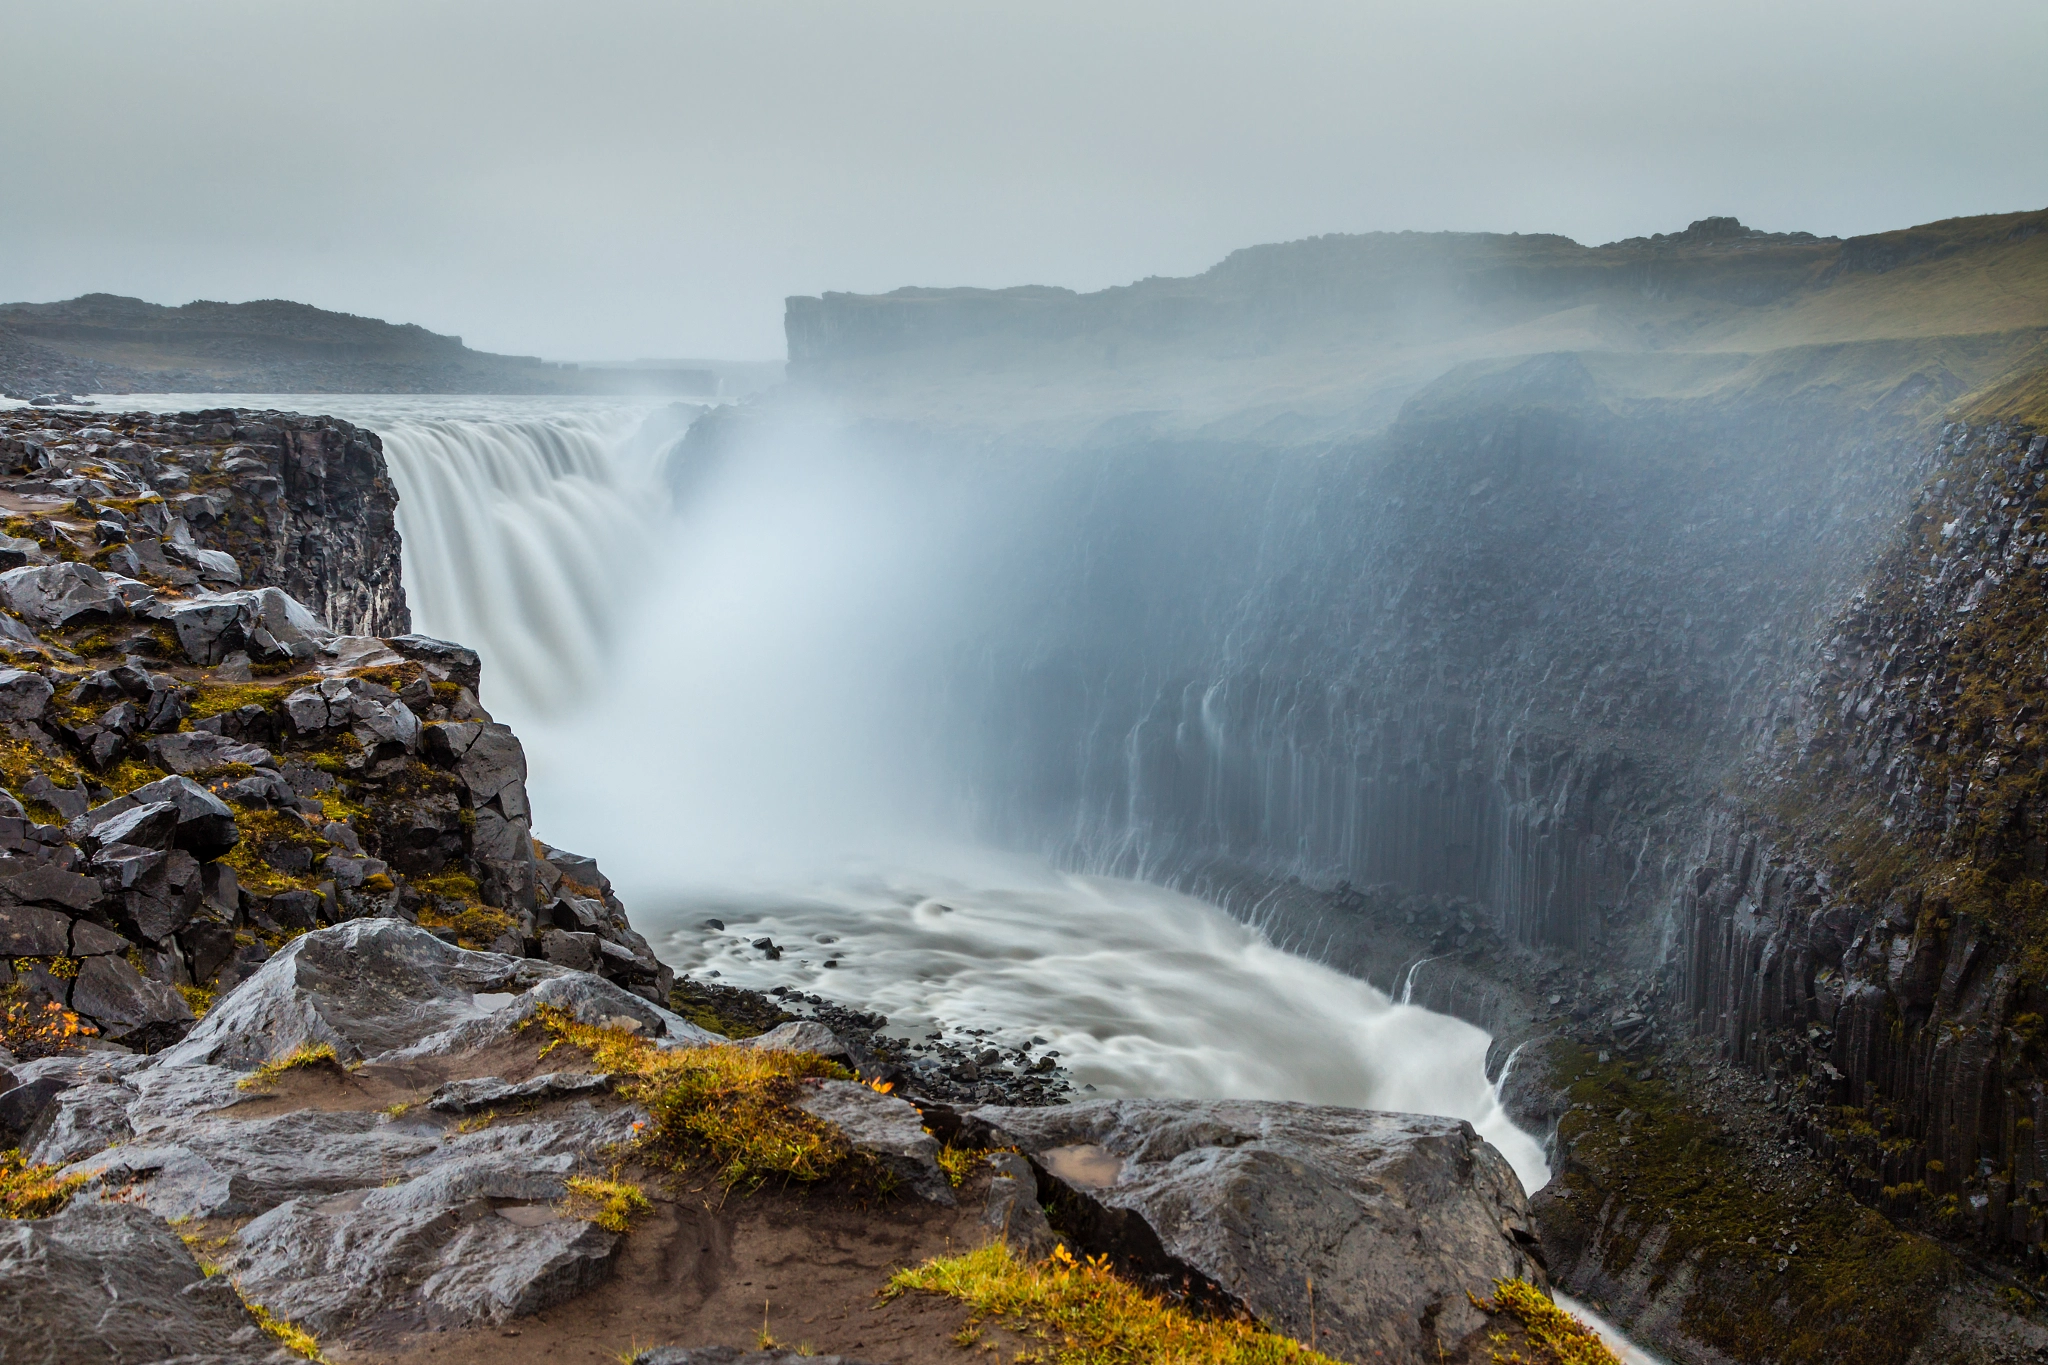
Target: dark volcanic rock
{"points": [[106, 1284], [1396, 1217]]}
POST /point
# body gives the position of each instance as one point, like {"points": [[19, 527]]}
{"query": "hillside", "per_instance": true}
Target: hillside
{"points": [[1314, 339], [108, 343]]}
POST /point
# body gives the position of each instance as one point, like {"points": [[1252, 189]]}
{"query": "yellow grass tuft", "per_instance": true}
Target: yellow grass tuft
{"points": [[33, 1191], [728, 1109], [308, 1055], [611, 1204], [957, 1163], [293, 1337], [1562, 1338], [1090, 1316]]}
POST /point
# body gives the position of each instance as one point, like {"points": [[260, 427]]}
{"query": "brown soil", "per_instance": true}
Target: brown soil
{"points": [[703, 1271]]}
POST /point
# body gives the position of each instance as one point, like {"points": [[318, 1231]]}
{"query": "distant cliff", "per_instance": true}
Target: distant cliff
{"points": [[1635, 649], [1305, 342], [110, 344]]}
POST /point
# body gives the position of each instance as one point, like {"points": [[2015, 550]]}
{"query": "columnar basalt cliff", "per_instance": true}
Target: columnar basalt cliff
{"points": [[1868, 926], [1663, 701]]}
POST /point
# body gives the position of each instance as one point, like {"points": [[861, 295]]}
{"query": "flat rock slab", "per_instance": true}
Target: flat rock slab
{"points": [[103, 1284], [1394, 1216]]}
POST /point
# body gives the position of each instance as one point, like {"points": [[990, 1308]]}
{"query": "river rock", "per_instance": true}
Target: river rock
{"points": [[1396, 1217], [106, 1284]]}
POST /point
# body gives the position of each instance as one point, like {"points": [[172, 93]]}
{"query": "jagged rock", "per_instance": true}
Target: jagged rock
{"points": [[26, 931], [206, 827], [66, 801], [372, 713], [376, 986], [140, 825], [23, 696], [1012, 1210], [444, 661], [469, 1097], [434, 1255], [199, 751], [56, 595], [22, 1105], [105, 1284], [799, 1035], [1395, 1216], [42, 884], [576, 951], [16, 551], [214, 566], [265, 622], [199, 821], [129, 1007], [886, 1128]]}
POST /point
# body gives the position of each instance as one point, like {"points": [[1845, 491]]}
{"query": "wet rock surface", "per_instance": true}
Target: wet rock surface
{"points": [[104, 1284], [335, 1213], [1239, 1203]]}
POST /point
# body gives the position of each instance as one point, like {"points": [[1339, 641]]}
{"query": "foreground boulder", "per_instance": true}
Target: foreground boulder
{"points": [[359, 1213], [103, 1284], [1395, 1217]]}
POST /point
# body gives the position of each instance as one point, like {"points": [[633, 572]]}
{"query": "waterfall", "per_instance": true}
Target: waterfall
{"points": [[522, 539]]}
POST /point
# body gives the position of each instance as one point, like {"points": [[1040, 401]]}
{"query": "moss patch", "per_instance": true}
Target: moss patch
{"points": [[1087, 1315], [727, 1010], [724, 1111], [1548, 1334], [1857, 1291], [34, 1191]]}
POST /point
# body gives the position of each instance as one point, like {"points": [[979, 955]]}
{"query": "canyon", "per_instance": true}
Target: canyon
{"points": [[1628, 649], [1631, 651]]}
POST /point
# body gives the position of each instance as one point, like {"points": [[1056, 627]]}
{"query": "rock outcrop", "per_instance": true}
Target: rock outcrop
{"points": [[219, 735], [1370, 1229], [342, 1216], [222, 497]]}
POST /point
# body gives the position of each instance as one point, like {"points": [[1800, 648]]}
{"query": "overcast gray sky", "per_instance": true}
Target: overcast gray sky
{"points": [[617, 178]]}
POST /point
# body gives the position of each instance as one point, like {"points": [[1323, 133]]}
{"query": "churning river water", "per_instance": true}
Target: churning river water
{"points": [[705, 693]]}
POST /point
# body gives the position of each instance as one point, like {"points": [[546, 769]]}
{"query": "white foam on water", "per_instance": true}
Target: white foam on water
{"points": [[1143, 991]]}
